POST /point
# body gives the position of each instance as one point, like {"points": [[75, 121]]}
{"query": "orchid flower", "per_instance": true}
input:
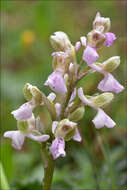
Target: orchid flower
{"points": [[101, 119], [56, 82], [18, 136]]}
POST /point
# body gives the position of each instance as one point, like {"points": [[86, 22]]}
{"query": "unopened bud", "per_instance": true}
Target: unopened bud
{"points": [[65, 129], [77, 115], [71, 67], [32, 93], [27, 93], [103, 99], [100, 22], [60, 41], [66, 77], [111, 64], [61, 61]]}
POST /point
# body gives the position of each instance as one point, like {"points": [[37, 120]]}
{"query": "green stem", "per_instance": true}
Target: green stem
{"points": [[3, 179], [48, 164]]}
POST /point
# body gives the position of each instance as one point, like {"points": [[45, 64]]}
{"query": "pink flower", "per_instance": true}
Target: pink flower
{"points": [[90, 55], [56, 82], [18, 138], [110, 37], [109, 83], [57, 148], [24, 112], [102, 119]]}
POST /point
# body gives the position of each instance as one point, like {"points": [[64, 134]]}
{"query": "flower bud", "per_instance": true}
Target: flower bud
{"points": [[71, 68], [27, 93], [32, 93], [60, 41], [111, 64], [77, 115], [102, 99], [100, 22], [61, 61], [65, 129]]}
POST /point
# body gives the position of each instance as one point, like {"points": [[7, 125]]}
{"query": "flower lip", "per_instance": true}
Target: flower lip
{"points": [[109, 83], [102, 119], [57, 148]]}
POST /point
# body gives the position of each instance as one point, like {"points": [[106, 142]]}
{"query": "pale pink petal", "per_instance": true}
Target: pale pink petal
{"points": [[57, 148], [109, 83], [54, 124], [17, 138], [56, 82], [102, 119], [58, 109], [83, 40], [77, 136], [110, 37], [83, 98], [77, 46], [73, 95], [41, 138], [90, 55], [24, 112]]}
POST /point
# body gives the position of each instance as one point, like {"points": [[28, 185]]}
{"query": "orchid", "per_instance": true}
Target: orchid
{"points": [[66, 104]]}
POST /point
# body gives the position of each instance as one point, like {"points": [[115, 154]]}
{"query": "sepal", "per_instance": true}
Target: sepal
{"points": [[77, 115], [102, 99], [111, 64], [32, 93]]}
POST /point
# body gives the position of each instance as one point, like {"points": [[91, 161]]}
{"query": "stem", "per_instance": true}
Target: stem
{"points": [[80, 65], [48, 164], [3, 178]]}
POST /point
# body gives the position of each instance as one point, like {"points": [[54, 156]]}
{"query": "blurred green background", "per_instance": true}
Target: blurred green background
{"points": [[100, 161]]}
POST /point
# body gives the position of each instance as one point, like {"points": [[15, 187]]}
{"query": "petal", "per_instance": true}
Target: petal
{"points": [[24, 112], [102, 119], [73, 95], [51, 96], [109, 83], [56, 82], [83, 40], [83, 98], [41, 138], [17, 138], [110, 37], [58, 109], [57, 148], [90, 55], [77, 136], [77, 46], [54, 124]]}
